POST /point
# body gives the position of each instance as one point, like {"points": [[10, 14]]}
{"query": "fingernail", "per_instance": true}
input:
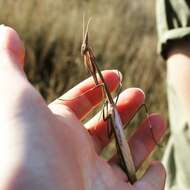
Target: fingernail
{"points": [[118, 73], [2, 25]]}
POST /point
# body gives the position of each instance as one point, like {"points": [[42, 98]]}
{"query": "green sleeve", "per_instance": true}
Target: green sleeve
{"points": [[173, 22]]}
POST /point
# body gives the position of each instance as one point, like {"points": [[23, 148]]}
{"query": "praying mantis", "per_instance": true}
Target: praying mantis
{"points": [[113, 117]]}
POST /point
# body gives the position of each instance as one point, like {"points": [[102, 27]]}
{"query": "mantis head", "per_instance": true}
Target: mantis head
{"points": [[84, 46]]}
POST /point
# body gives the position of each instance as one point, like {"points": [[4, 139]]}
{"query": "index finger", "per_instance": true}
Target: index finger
{"points": [[82, 98]]}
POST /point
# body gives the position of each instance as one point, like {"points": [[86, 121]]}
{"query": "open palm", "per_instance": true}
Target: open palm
{"points": [[47, 147]]}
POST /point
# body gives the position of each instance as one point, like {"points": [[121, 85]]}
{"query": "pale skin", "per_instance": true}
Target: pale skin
{"points": [[46, 147], [178, 71]]}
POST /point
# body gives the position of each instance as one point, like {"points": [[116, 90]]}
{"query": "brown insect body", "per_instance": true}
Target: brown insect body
{"points": [[113, 117], [89, 60]]}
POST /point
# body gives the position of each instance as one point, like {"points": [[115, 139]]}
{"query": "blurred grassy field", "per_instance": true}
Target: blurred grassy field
{"points": [[123, 35]]}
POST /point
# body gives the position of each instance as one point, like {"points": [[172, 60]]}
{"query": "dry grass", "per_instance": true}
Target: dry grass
{"points": [[122, 33]]}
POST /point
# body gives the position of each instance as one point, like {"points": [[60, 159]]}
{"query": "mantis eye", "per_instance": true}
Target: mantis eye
{"points": [[83, 48]]}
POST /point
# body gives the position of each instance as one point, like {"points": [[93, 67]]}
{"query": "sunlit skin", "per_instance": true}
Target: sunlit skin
{"points": [[46, 147], [178, 77], [179, 60]]}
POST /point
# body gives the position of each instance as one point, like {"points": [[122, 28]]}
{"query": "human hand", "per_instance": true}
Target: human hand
{"points": [[47, 147]]}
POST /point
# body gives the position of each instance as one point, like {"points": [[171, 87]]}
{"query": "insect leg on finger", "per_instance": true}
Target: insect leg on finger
{"points": [[144, 106]]}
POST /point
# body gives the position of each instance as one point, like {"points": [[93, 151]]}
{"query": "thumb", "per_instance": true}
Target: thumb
{"points": [[12, 53], [13, 82], [154, 178], [10, 44], [11, 58]]}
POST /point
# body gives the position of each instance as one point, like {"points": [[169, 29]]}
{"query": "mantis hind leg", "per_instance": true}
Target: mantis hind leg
{"points": [[143, 106], [150, 125]]}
